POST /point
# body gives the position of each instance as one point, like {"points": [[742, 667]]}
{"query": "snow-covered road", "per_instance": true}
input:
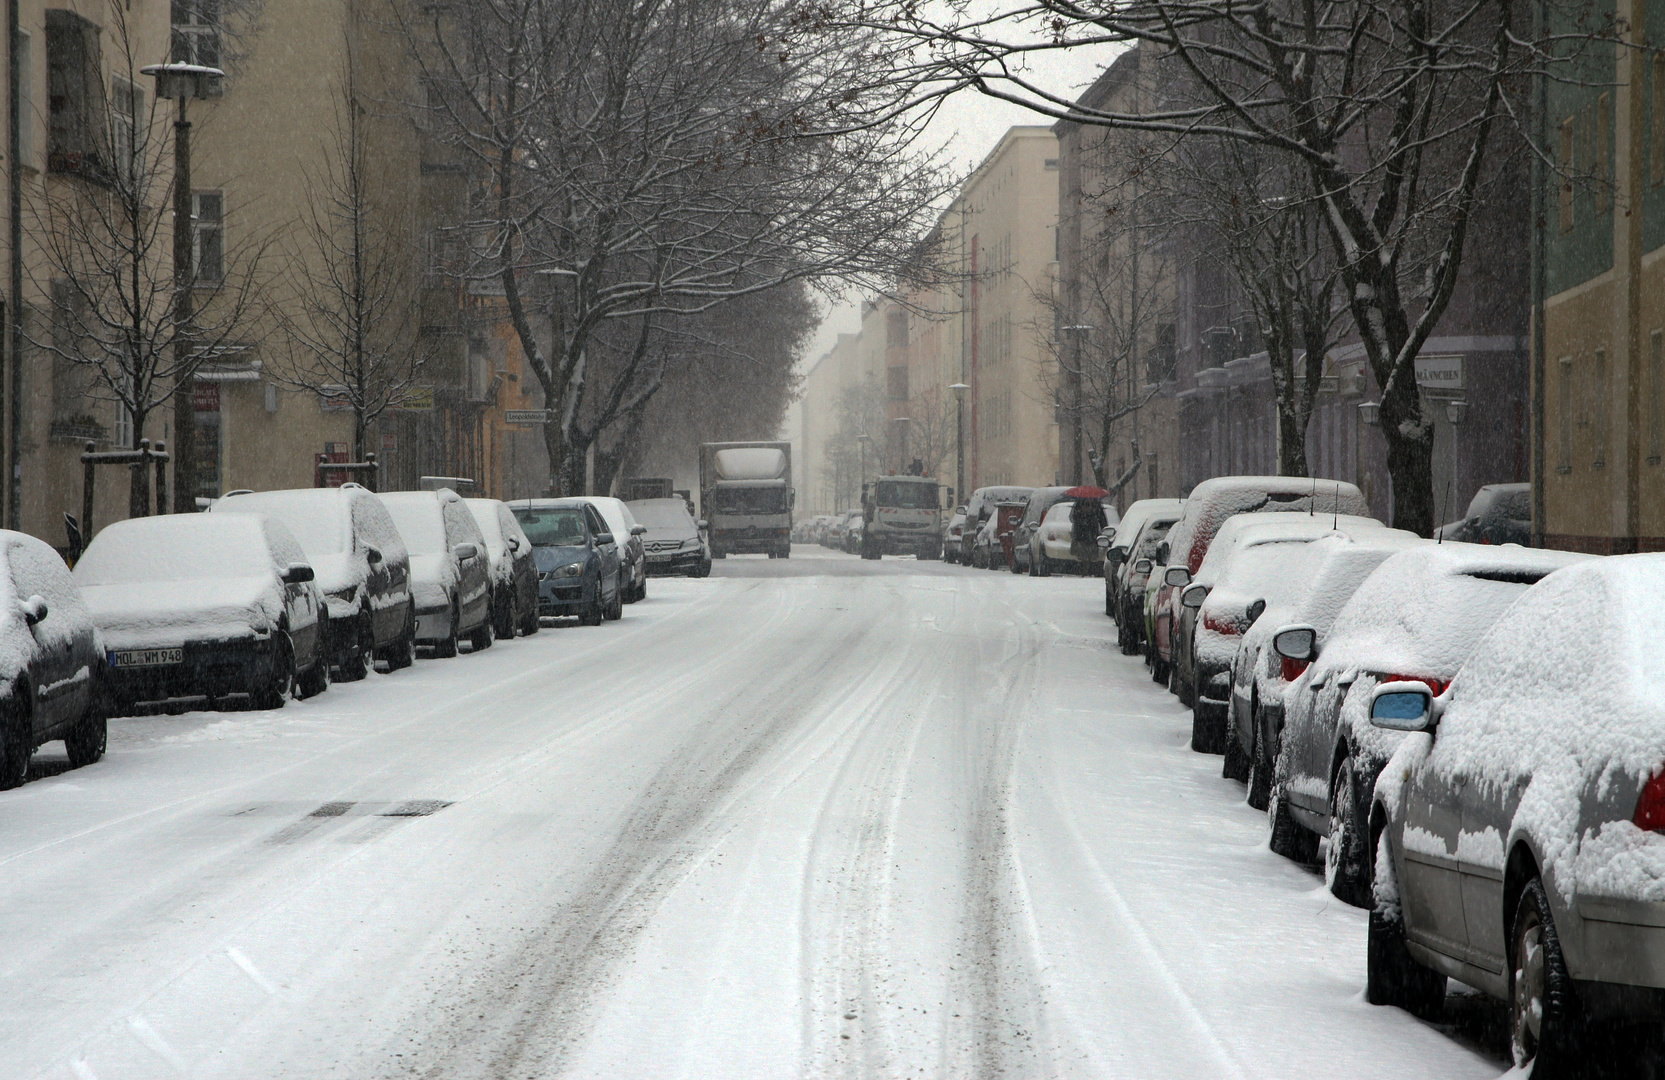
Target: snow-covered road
{"points": [[813, 818]]}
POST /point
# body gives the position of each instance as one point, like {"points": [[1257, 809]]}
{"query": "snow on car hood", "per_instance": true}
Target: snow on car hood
{"points": [[155, 614], [548, 558], [431, 579]]}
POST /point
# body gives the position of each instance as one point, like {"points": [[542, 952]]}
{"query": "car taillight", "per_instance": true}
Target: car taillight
{"points": [[1221, 626], [1292, 669], [1650, 805], [1436, 685]]}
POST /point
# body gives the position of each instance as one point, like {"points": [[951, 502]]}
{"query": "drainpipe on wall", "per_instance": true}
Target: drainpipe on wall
{"points": [[14, 172]]}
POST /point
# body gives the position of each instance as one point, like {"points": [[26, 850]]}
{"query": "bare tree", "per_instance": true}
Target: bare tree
{"points": [[351, 316], [851, 453], [654, 160], [932, 419], [1391, 107], [105, 247]]}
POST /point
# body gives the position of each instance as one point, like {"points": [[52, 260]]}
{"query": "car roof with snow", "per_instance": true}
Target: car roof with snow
{"points": [[1331, 570], [1423, 609], [1140, 512], [1212, 502], [664, 517], [178, 547], [1250, 530]]}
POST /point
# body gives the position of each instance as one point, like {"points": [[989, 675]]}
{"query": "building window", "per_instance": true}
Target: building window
{"points": [[1597, 416], [208, 235], [1569, 409], [1656, 396], [1569, 137], [74, 89], [1602, 173], [196, 32], [1656, 145], [126, 106]]}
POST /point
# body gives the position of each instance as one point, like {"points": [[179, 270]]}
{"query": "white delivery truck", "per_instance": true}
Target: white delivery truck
{"points": [[907, 518], [746, 497]]}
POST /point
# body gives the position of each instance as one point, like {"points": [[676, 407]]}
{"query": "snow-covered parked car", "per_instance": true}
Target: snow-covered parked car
{"points": [[1522, 819], [1416, 617], [1118, 552], [1052, 546], [674, 542], [627, 534], [1213, 611], [50, 661], [1498, 514], [1208, 507], [362, 569], [953, 534], [1035, 507], [980, 508], [448, 568], [203, 605], [514, 571], [1331, 569], [577, 557]]}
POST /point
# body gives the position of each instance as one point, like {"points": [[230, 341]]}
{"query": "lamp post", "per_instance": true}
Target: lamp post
{"points": [[182, 82], [1072, 379], [959, 389], [1455, 413], [861, 481]]}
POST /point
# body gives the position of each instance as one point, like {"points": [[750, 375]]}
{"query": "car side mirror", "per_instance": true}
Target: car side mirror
{"points": [[298, 573], [34, 609], [1193, 596], [603, 539], [1143, 566], [372, 555], [1104, 542], [702, 524], [514, 543], [1403, 706], [637, 530], [465, 552], [1298, 643], [1176, 576], [1256, 610]]}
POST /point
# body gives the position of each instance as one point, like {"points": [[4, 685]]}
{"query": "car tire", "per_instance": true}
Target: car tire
{"points": [[482, 637], [356, 664], [1261, 764], [17, 741], [592, 615], [274, 690], [1288, 838], [86, 742], [1159, 671], [402, 653], [315, 680], [503, 618], [615, 611], [446, 648], [641, 590], [1392, 975], [1236, 763], [1346, 856], [1544, 1020], [529, 625]]}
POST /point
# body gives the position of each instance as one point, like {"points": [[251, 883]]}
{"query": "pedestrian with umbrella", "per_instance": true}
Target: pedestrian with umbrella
{"points": [[1087, 520]]}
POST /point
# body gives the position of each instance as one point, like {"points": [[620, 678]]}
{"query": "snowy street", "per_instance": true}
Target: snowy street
{"points": [[807, 818]]}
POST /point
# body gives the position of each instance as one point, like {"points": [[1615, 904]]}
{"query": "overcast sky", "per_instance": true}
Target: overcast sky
{"points": [[970, 125]]}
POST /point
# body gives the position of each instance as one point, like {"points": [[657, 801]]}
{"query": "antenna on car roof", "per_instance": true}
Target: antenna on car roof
{"points": [[1312, 503], [1439, 532]]}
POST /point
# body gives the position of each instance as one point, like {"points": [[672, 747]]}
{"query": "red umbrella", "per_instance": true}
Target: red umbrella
{"points": [[1086, 491]]}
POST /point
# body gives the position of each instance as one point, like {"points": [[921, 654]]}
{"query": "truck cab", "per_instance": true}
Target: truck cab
{"points": [[907, 518]]}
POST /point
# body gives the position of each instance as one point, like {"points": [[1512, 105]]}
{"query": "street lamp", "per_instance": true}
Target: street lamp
{"points": [[1077, 334], [959, 389], [1370, 412], [182, 82], [863, 439], [1455, 413]]}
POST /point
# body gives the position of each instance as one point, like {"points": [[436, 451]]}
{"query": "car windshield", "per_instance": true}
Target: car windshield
{"points": [[562, 527], [317, 518], [1154, 535], [908, 496], [751, 500]]}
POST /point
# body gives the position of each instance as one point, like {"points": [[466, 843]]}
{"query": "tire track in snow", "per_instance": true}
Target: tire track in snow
{"points": [[526, 1016]]}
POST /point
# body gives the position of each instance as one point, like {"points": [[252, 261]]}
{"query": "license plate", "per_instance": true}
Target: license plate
{"points": [[132, 658]]}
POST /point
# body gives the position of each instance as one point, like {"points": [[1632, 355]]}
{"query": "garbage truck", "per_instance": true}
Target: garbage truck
{"points": [[907, 519], [746, 497]]}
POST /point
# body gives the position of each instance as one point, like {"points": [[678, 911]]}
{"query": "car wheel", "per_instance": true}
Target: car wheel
{"points": [[593, 615], [529, 625], [17, 741], [615, 610], [447, 648], [1158, 670], [1392, 975], [1261, 765], [87, 740], [1543, 1010], [482, 637], [274, 690], [1236, 764], [1346, 860], [1288, 838], [356, 664], [503, 616], [641, 590], [316, 679], [402, 653]]}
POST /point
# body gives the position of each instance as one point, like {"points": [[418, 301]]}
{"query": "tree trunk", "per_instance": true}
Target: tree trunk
{"points": [[1292, 440], [1410, 459]]}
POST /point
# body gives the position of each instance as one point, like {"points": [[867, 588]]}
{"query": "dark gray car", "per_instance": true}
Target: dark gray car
{"points": [[1523, 818], [577, 559]]}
